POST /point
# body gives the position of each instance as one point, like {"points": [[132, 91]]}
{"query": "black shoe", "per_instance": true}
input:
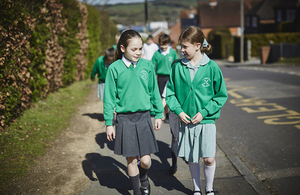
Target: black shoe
{"points": [[211, 191], [173, 170], [197, 191], [145, 190]]}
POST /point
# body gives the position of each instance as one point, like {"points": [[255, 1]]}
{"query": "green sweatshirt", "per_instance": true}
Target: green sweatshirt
{"points": [[99, 69], [206, 94], [163, 62], [131, 90]]}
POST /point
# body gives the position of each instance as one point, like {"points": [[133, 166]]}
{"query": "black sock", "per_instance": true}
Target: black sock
{"points": [[135, 182], [174, 151], [144, 177]]}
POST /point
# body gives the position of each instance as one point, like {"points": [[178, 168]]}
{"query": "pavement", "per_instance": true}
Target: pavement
{"points": [[108, 172], [110, 177], [255, 64]]}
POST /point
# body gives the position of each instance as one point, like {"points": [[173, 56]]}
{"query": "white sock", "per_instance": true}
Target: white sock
{"points": [[195, 174], [209, 173]]}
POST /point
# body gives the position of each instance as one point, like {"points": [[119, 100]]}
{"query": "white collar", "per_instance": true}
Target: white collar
{"points": [[128, 62], [165, 52]]}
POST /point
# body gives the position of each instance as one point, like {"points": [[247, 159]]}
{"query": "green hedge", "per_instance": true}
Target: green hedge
{"points": [[102, 33], [69, 41], [39, 46], [260, 40]]}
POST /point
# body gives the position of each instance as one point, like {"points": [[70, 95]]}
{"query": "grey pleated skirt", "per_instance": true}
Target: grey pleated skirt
{"points": [[135, 135], [174, 122]]}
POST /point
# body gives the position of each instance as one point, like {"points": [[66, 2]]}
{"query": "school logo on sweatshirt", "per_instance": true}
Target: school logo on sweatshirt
{"points": [[206, 82], [144, 74]]}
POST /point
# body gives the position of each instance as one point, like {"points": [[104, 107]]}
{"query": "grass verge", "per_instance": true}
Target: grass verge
{"points": [[36, 129]]}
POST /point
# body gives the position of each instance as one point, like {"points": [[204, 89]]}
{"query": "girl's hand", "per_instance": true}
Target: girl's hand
{"points": [[184, 118], [197, 118], [157, 124], [110, 133]]}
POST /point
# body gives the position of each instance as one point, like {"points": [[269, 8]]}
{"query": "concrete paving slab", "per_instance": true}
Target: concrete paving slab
{"points": [[111, 172]]}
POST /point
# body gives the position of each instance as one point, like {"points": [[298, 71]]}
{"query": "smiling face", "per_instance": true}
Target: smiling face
{"points": [[134, 49], [189, 50]]}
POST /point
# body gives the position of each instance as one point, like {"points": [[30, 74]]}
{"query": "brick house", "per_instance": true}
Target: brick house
{"points": [[223, 14], [267, 15]]}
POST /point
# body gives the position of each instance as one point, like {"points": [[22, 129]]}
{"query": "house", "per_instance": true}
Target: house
{"points": [[288, 11], [189, 18], [175, 32], [223, 14], [267, 15], [261, 18], [158, 24]]}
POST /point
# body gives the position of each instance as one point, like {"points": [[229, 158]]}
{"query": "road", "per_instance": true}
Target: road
{"points": [[261, 124]]}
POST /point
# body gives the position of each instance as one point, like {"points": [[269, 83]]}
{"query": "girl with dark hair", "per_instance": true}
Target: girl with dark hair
{"points": [[131, 90]]}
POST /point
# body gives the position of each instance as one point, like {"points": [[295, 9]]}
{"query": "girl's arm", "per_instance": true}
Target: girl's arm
{"points": [[171, 99], [157, 107], [220, 97], [173, 103], [94, 70], [109, 101], [110, 133], [157, 124]]}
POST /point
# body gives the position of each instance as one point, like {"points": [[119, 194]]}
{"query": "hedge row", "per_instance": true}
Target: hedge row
{"points": [[45, 45], [222, 43], [259, 40]]}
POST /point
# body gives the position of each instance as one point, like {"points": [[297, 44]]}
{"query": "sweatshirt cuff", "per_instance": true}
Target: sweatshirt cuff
{"points": [[159, 115], [204, 112], [109, 122], [178, 111]]}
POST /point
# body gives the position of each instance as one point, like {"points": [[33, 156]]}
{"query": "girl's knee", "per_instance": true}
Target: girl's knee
{"points": [[209, 161], [132, 160], [145, 161]]}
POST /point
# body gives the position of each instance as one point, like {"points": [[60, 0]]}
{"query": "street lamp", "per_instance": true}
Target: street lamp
{"points": [[242, 32]]}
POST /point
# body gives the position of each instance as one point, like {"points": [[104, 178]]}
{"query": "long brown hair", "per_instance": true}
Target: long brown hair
{"points": [[194, 35], [125, 37]]}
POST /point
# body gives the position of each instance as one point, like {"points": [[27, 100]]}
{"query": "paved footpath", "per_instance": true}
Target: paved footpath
{"points": [[107, 171]]}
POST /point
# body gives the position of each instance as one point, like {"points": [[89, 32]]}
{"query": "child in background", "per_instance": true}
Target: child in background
{"points": [[163, 59], [100, 69], [196, 92], [174, 127], [117, 37], [149, 48], [131, 90]]}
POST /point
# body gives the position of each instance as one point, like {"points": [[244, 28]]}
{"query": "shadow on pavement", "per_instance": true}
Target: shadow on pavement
{"points": [[97, 116], [107, 172], [159, 172], [101, 140]]}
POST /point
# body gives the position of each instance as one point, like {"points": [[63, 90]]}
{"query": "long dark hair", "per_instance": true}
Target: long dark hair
{"points": [[194, 35], [124, 40]]}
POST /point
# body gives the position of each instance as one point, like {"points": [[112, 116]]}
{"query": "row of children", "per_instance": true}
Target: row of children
{"points": [[195, 93]]}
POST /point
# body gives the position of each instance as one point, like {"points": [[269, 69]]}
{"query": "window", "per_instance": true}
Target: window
{"points": [[279, 16], [248, 21], [290, 15], [254, 22]]}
